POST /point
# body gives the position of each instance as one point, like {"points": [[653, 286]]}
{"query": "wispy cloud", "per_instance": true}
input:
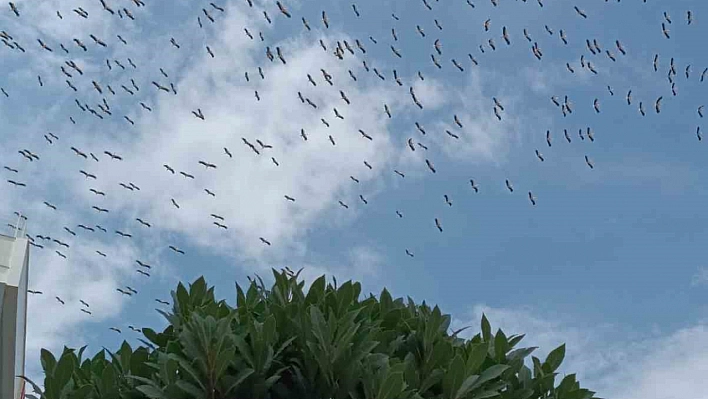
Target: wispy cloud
{"points": [[607, 359], [701, 276], [249, 188]]}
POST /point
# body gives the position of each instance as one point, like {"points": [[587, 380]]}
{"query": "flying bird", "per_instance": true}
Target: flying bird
{"points": [[532, 198], [179, 251], [474, 186], [438, 225], [540, 156], [13, 8], [207, 165], [580, 12], [282, 9], [509, 186], [589, 162]]}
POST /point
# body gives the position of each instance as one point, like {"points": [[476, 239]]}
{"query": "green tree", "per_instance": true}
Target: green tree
{"points": [[284, 343]]}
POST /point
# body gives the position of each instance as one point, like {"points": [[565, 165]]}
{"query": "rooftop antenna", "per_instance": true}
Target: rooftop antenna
{"points": [[20, 226]]}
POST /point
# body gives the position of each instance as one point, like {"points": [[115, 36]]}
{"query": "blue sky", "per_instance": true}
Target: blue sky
{"points": [[609, 260]]}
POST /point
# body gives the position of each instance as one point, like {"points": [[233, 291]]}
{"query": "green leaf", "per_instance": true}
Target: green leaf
{"points": [[392, 386], [233, 384], [477, 355], [500, 346], [272, 380], [537, 367], [189, 388], [345, 296], [35, 387], [486, 329], [49, 362], [269, 330], [63, 371], [555, 358], [490, 374], [151, 392], [116, 362], [566, 384], [431, 379], [520, 353], [314, 295], [514, 340], [580, 394], [142, 379], [486, 394], [197, 290], [459, 330], [81, 392], [240, 297], [466, 386], [125, 353], [81, 352], [189, 369], [108, 379], [454, 377], [182, 298], [152, 336]]}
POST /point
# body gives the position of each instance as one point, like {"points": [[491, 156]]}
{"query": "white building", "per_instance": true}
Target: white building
{"points": [[14, 262]]}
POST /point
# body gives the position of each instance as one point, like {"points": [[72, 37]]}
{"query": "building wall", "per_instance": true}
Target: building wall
{"points": [[6, 244], [20, 329], [8, 329], [2, 296], [13, 282], [2, 353]]}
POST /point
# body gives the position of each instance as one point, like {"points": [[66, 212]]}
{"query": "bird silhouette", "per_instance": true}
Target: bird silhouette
{"points": [[509, 186], [589, 162], [438, 225], [179, 251], [532, 198]]}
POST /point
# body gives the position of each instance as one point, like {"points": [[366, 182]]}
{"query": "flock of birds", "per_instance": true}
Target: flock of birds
{"points": [[78, 81]]}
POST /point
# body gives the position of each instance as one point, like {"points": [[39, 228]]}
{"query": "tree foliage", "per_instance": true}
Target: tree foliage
{"points": [[285, 343]]}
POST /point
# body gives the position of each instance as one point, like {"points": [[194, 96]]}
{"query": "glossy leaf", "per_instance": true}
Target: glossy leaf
{"points": [[555, 358], [283, 343]]}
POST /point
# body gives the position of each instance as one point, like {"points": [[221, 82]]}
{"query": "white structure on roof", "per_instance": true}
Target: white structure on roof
{"points": [[14, 268]]}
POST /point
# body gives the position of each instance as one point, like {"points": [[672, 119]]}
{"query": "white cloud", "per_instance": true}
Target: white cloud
{"points": [[249, 188], [482, 138], [548, 333], [361, 264], [673, 366], [611, 362], [701, 276]]}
